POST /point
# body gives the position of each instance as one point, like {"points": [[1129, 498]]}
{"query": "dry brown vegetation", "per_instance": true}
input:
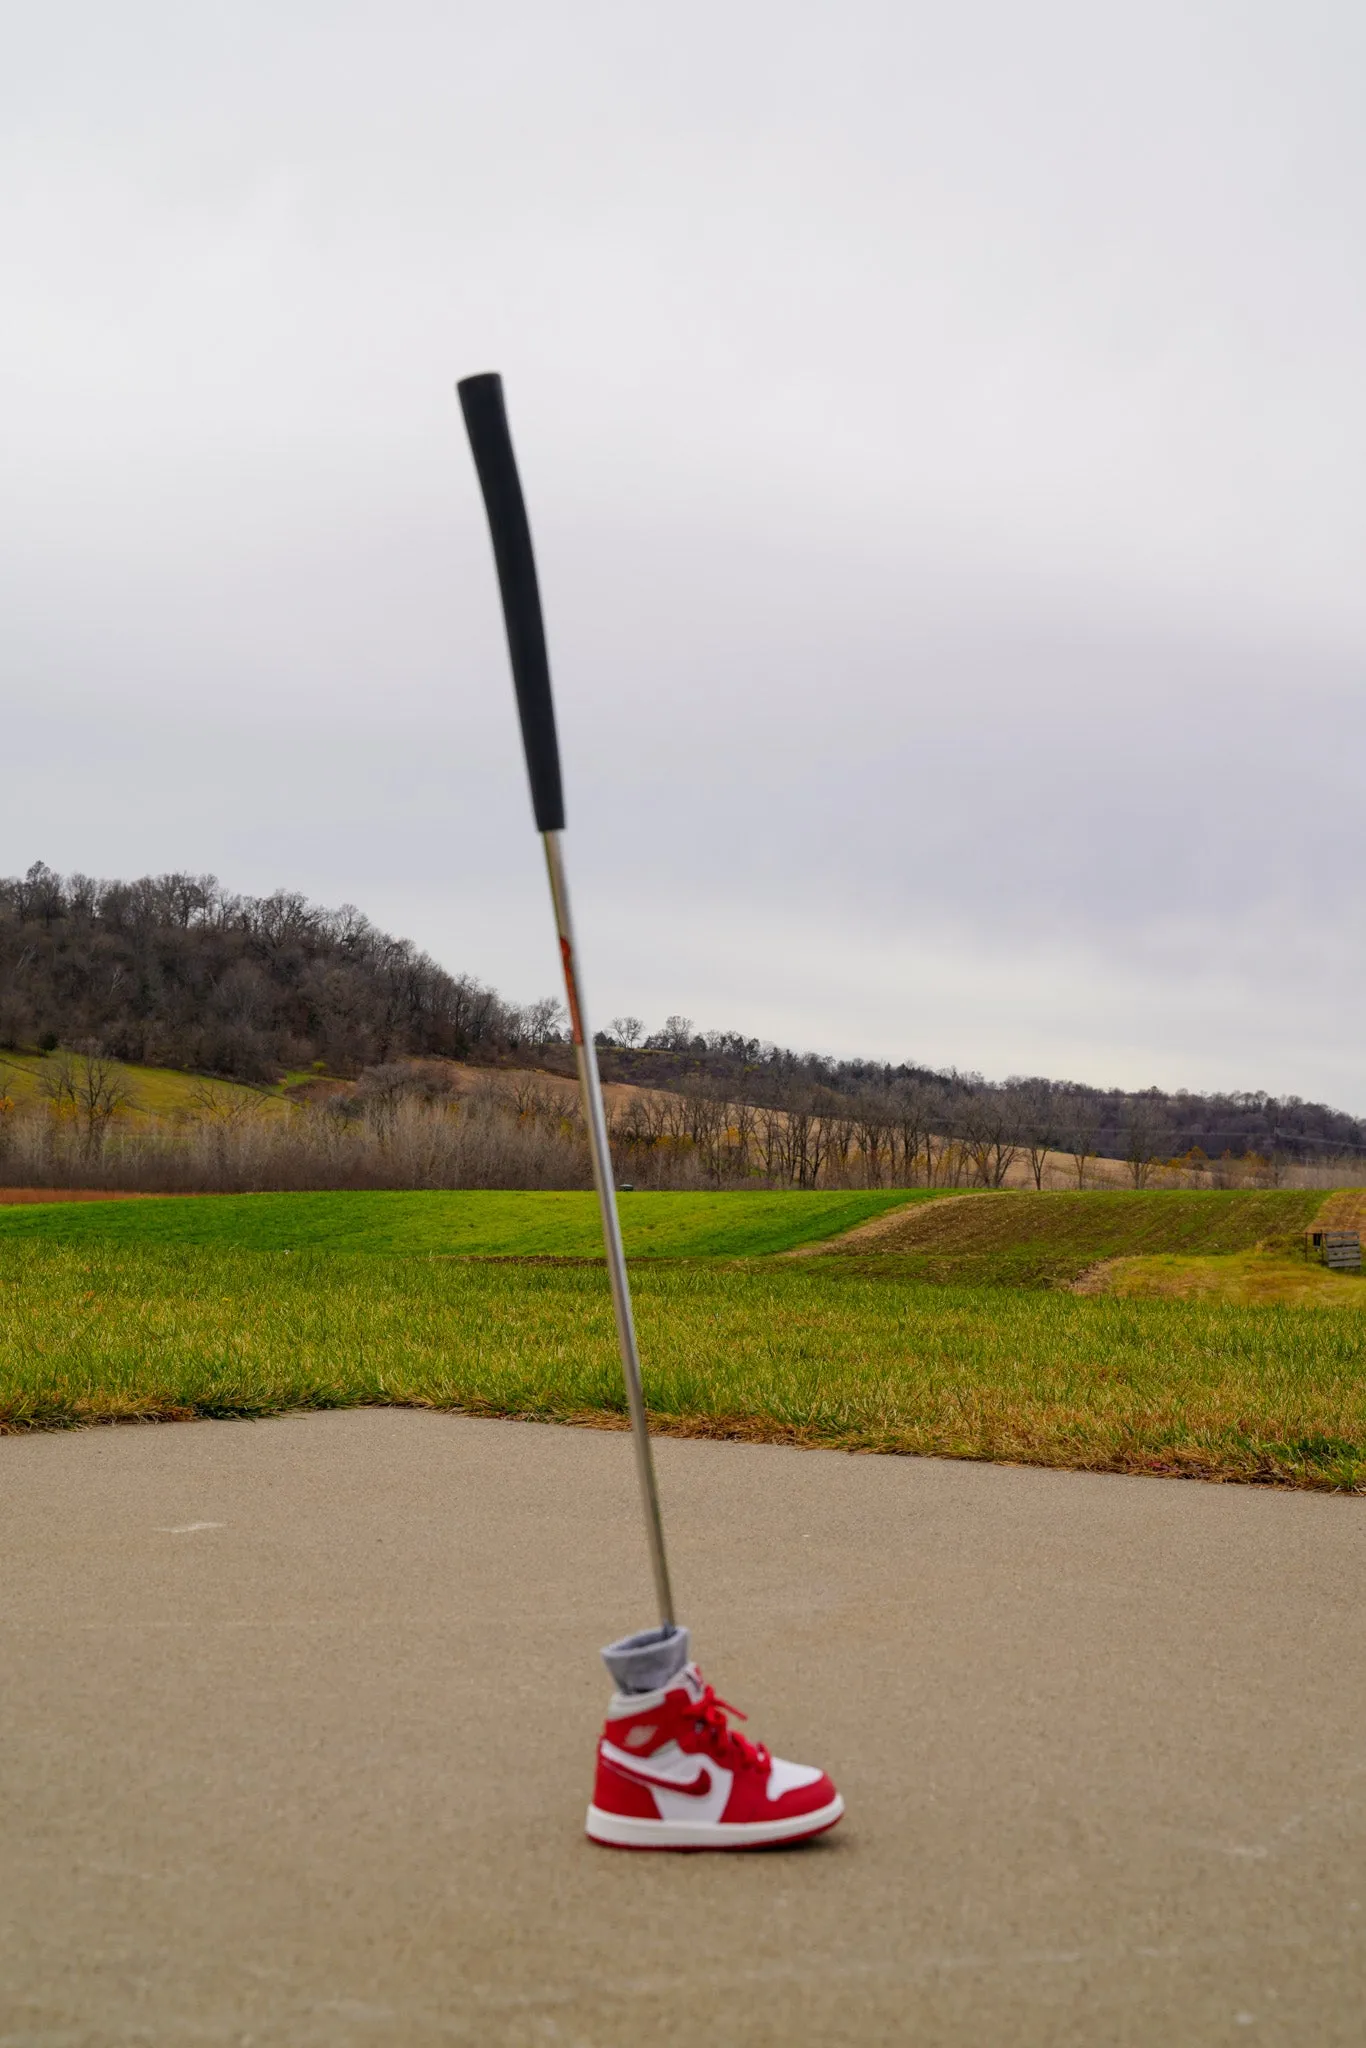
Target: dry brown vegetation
{"points": [[81, 1119]]}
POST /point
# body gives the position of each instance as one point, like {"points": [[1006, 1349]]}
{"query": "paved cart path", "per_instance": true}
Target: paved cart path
{"points": [[297, 1718]]}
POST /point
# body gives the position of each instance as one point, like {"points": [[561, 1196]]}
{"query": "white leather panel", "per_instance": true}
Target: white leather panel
{"points": [[670, 1762], [785, 1777]]}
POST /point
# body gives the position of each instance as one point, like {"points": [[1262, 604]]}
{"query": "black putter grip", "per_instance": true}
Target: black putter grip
{"points": [[486, 423]]}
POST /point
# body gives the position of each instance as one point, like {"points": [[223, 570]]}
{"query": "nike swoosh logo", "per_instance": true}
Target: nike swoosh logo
{"points": [[694, 1788]]}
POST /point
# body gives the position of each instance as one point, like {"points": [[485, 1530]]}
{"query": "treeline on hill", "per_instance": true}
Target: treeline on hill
{"points": [[990, 1122], [175, 971]]}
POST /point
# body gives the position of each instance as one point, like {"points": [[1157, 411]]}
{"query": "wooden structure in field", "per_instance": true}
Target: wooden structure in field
{"points": [[1340, 1249]]}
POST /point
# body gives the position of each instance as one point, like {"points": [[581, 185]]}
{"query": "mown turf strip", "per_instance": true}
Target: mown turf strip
{"points": [[1245, 1277], [808, 1352], [464, 1222]]}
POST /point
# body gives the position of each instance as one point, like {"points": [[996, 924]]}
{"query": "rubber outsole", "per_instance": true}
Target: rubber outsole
{"points": [[624, 1831]]}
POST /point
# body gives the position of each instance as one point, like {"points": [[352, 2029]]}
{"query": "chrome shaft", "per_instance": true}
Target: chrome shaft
{"points": [[590, 1089]]}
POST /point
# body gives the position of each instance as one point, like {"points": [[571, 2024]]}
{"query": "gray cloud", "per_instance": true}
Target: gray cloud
{"points": [[944, 438]]}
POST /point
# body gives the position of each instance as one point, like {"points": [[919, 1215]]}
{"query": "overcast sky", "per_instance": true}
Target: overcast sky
{"points": [[945, 437]]}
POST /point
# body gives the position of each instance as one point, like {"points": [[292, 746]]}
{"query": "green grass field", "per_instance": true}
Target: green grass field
{"points": [[465, 1223], [809, 1351], [249, 1305]]}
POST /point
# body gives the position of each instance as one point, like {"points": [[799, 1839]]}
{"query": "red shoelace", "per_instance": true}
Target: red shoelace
{"points": [[708, 1716]]}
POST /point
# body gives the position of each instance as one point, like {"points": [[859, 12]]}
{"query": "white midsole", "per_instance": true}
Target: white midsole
{"points": [[625, 1831]]}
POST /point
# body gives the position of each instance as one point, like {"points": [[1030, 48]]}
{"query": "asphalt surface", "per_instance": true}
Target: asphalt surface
{"points": [[297, 1723]]}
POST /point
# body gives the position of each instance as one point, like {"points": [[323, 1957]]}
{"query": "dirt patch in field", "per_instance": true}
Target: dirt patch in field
{"points": [[1100, 1278], [8, 1195], [1042, 1240], [879, 1234]]}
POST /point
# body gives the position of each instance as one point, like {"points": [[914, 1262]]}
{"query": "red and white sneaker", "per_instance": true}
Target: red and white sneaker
{"points": [[672, 1774]]}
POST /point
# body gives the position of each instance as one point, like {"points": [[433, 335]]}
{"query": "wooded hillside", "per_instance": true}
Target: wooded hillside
{"points": [[175, 971]]}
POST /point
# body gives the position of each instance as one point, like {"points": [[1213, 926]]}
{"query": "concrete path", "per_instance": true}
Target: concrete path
{"points": [[297, 1721]]}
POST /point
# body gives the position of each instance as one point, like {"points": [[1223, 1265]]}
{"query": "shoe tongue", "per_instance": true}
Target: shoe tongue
{"points": [[692, 1681]]}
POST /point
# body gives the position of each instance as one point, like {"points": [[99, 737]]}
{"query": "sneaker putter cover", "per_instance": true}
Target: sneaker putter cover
{"points": [[672, 1774]]}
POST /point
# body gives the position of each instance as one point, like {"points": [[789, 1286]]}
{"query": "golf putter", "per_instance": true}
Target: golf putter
{"points": [[481, 400]]}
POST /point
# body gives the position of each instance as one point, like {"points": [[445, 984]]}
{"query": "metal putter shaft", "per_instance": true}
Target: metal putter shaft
{"points": [[481, 399]]}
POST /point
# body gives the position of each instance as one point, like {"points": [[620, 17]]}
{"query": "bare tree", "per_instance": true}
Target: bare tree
{"points": [[989, 1130], [772, 1132], [89, 1089], [382, 1090], [1036, 1108], [912, 1110], [223, 1108], [543, 1021], [1146, 1138], [818, 1143], [1078, 1131], [704, 1121], [841, 1129], [627, 1031], [676, 1036], [638, 1131], [797, 1122], [538, 1101], [873, 1128], [798, 1135]]}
